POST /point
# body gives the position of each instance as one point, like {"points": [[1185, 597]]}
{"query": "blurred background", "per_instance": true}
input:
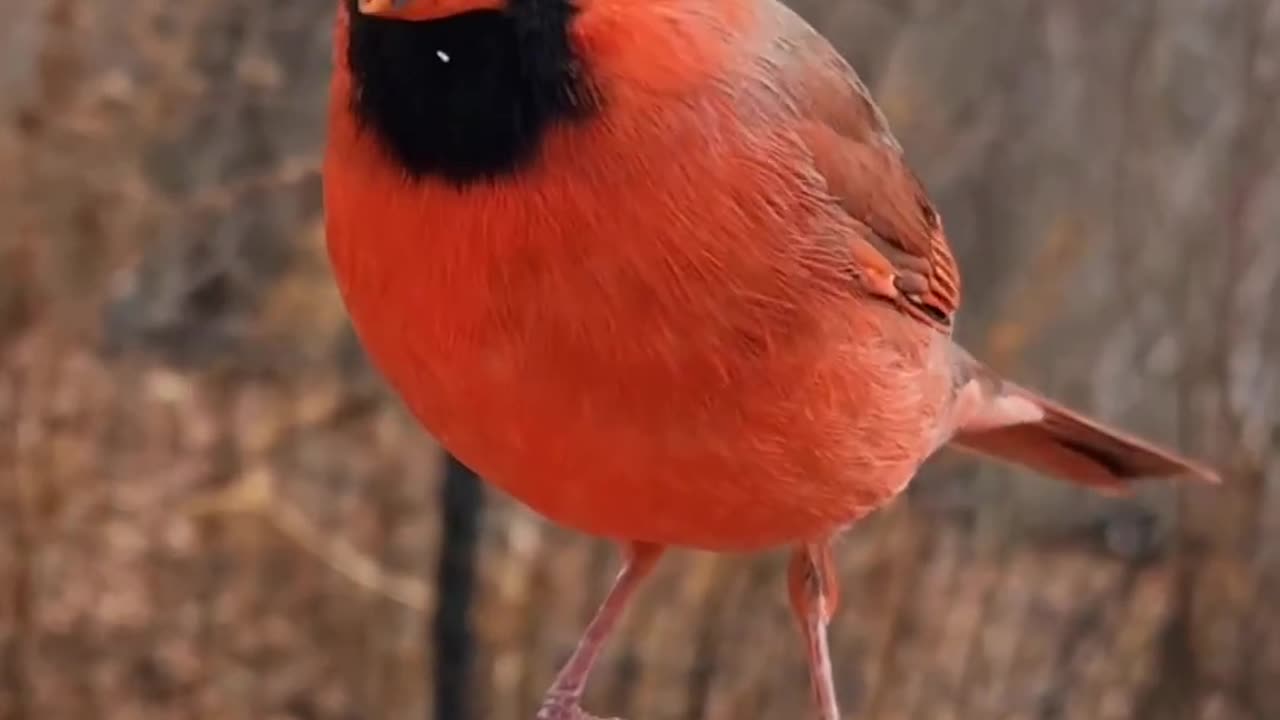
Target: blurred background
{"points": [[211, 508]]}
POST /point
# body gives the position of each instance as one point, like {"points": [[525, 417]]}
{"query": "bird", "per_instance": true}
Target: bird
{"points": [[660, 271]]}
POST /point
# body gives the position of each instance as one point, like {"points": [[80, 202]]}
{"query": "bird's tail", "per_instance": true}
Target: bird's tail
{"points": [[1002, 420]]}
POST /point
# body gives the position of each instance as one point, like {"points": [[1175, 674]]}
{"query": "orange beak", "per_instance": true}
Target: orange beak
{"points": [[387, 8], [424, 9]]}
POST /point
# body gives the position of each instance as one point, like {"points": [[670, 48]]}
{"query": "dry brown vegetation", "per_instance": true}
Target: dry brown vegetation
{"points": [[210, 508]]}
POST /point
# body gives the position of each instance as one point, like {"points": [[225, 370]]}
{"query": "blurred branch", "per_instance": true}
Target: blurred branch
{"points": [[462, 498], [1258, 114], [1033, 305], [254, 494], [288, 171], [15, 653]]}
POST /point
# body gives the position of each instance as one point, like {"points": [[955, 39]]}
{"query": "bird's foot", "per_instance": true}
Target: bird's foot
{"points": [[565, 710]]}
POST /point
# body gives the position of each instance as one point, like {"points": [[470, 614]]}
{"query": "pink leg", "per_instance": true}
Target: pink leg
{"points": [[563, 700], [812, 585]]}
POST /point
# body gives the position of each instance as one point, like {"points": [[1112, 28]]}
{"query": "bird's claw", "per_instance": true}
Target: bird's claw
{"points": [[566, 711]]}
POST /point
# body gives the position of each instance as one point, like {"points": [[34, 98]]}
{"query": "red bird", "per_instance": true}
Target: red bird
{"points": [[658, 269]]}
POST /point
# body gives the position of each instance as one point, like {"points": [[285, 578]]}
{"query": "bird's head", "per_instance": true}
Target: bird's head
{"points": [[464, 90], [424, 9]]}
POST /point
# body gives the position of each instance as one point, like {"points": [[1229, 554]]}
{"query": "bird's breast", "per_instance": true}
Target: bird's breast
{"points": [[649, 334]]}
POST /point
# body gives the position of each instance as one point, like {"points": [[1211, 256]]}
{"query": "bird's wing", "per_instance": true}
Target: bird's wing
{"points": [[902, 255]]}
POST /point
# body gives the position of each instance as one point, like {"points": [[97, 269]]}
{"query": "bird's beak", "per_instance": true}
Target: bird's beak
{"points": [[423, 9], [381, 7]]}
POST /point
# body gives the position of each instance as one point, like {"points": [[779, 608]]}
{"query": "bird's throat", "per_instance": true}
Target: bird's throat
{"points": [[469, 97]]}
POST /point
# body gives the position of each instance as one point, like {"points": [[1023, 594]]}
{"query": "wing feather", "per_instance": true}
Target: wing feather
{"points": [[866, 172]]}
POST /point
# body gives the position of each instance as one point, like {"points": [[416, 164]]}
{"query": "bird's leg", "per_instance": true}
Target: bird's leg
{"points": [[812, 585], [563, 700]]}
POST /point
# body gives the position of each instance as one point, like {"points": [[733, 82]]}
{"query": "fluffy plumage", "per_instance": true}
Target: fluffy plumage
{"points": [[659, 269]]}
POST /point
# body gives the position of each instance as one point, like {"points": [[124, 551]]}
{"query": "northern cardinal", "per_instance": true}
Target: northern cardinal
{"points": [[658, 269]]}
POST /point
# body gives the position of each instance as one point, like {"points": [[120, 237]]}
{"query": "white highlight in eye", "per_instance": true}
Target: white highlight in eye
{"points": [[444, 56]]}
